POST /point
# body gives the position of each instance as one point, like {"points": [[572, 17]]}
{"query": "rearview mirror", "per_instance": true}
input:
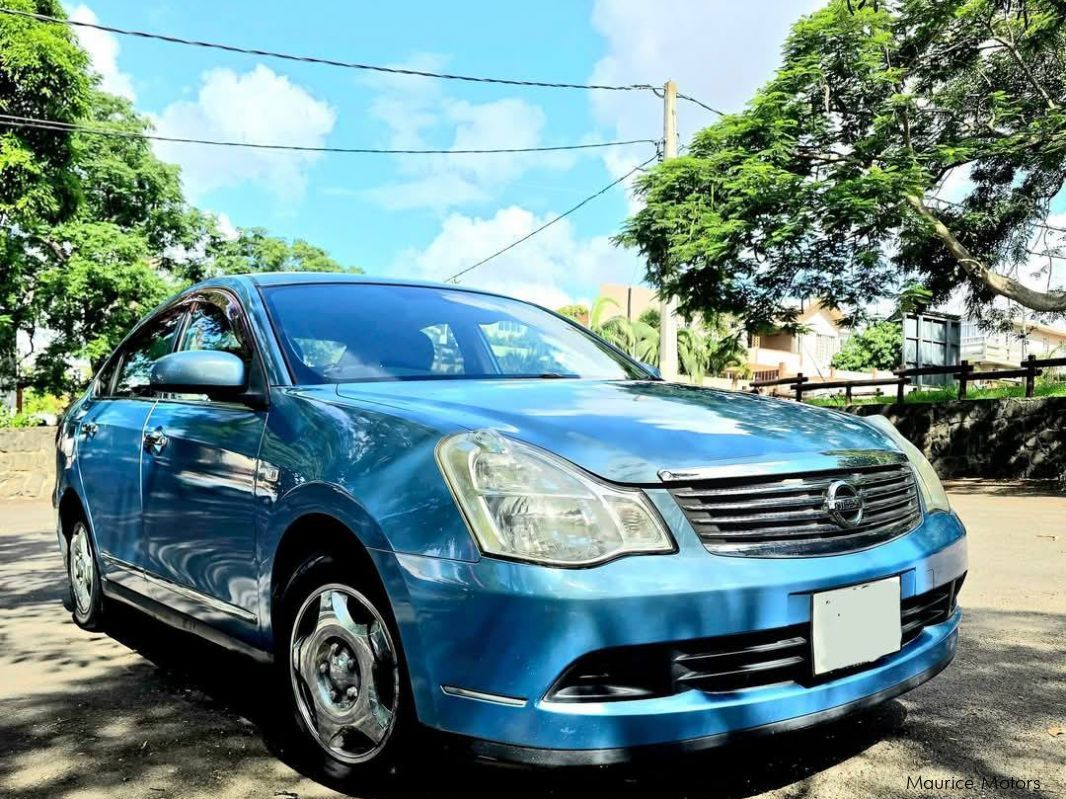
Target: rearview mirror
{"points": [[199, 372]]}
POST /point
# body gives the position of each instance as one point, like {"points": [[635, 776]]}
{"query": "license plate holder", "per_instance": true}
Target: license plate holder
{"points": [[855, 625]]}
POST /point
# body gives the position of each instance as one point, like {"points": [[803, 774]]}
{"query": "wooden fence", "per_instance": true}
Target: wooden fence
{"points": [[963, 372]]}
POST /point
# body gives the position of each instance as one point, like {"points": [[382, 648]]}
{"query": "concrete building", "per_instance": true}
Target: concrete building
{"points": [[1004, 350], [781, 354], [630, 301]]}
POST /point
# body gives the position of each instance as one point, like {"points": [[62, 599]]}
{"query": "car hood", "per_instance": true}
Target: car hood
{"points": [[627, 431]]}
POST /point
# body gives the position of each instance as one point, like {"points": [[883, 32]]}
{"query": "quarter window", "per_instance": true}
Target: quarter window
{"points": [[210, 329]]}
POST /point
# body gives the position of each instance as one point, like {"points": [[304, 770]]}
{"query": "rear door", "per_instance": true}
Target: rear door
{"points": [[109, 438], [198, 479]]}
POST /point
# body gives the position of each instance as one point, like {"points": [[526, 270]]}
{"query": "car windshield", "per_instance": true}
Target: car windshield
{"points": [[343, 332]]}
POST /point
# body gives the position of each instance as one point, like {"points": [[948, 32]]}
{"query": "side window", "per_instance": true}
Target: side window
{"points": [[154, 341], [217, 327], [210, 328]]}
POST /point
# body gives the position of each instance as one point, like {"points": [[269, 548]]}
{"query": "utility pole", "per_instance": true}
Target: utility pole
{"points": [[667, 309]]}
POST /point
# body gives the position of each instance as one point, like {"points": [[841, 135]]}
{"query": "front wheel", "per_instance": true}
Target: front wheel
{"points": [[343, 670], [84, 577]]}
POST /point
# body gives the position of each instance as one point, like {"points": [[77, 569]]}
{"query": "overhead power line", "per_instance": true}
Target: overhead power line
{"points": [[229, 48], [68, 127], [455, 278], [700, 103]]}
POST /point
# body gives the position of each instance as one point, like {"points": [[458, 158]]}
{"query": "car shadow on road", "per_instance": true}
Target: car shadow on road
{"points": [[189, 709]]}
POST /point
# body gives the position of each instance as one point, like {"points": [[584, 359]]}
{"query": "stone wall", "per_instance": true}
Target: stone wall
{"points": [[997, 438], [27, 462]]}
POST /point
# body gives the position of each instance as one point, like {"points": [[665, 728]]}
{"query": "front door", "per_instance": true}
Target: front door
{"points": [[110, 431], [198, 476]]}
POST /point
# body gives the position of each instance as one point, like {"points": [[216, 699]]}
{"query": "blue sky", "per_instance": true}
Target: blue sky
{"points": [[428, 216]]}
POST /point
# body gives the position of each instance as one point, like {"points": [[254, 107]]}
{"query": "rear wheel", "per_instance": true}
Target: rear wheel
{"points": [[86, 598], [343, 671]]}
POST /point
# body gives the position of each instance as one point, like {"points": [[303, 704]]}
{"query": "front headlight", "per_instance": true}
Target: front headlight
{"points": [[527, 504], [936, 498]]}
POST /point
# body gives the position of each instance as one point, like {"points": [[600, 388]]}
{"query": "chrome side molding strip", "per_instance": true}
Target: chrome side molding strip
{"points": [[182, 590], [499, 699]]}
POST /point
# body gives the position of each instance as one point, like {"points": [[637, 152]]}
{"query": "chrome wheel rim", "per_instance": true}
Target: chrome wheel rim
{"points": [[82, 568], [344, 673]]}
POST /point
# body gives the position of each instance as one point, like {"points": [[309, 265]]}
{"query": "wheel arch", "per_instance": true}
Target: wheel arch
{"points": [[70, 509], [319, 533], [321, 528]]}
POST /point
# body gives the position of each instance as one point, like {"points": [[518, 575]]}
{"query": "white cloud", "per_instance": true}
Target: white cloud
{"points": [[103, 49], [719, 51], [420, 115], [553, 268], [255, 106], [226, 228]]}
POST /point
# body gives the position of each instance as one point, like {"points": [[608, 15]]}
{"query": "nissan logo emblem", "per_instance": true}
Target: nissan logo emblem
{"points": [[844, 503]]}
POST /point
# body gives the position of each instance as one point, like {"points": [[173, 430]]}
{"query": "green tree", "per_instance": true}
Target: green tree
{"points": [[98, 271], [255, 250], [579, 313], [94, 230], [42, 74], [824, 186], [879, 346]]}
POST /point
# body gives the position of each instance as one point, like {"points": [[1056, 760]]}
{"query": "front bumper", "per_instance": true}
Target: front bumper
{"points": [[486, 640]]}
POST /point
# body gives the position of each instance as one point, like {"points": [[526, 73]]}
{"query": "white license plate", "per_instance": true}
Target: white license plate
{"points": [[855, 625]]}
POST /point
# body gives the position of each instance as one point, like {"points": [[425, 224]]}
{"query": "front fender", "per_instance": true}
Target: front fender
{"points": [[370, 469]]}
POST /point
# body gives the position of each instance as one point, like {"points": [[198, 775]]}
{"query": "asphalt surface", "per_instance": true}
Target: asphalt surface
{"points": [[144, 711]]}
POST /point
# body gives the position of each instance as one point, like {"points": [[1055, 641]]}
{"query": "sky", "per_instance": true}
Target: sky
{"points": [[430, 216]]}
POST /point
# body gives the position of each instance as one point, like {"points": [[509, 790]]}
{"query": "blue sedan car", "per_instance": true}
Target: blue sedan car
{"points": [[435, 507]]}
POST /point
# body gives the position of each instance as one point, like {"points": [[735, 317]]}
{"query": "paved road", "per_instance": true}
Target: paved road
{"points": [[148, 712]]}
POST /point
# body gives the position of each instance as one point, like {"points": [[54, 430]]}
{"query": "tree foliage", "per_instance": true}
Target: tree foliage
{"points": [[879, 346], [824, 186], [254, 250], [94, 230]]}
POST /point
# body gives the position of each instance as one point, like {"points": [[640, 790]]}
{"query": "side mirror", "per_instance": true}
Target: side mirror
{"points": [[199, 372], [653, 369]]}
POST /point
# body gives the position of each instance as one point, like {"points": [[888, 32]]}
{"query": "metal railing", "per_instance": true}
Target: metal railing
{"points": [[963, 372]]}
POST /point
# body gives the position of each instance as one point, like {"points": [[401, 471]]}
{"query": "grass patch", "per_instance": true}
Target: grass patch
{"points": [[942, 395]]}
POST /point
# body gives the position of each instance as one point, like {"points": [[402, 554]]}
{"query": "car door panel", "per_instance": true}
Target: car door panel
{"points": [[199, 508], [198, 486]]}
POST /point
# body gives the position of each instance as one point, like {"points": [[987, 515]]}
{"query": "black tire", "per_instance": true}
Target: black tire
{"points": [[83, 578], [318, 574]]}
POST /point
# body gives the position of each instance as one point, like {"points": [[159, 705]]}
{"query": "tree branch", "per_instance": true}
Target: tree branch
{"points": [[1049, 301], [1013, 50]]}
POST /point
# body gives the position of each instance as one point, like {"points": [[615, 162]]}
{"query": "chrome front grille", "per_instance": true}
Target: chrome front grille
{"points": [[789, 515]]}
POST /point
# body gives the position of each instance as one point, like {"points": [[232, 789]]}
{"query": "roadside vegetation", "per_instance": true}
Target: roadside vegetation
{"points": [[947, 394]]}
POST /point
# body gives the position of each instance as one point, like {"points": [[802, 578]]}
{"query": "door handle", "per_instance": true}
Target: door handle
{"points": [[88, 429], [155, 440]]}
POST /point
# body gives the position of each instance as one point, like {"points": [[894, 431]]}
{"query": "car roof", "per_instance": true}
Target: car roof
{"points": [[265, 279], [289, 278]]}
